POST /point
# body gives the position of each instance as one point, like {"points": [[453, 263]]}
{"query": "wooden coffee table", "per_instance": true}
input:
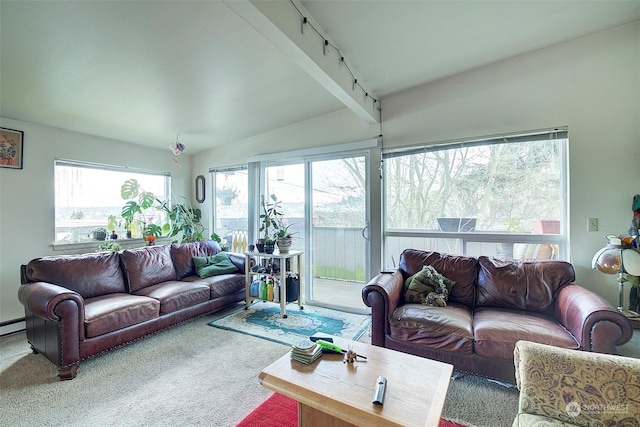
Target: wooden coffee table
{"points": [[332, 393]]}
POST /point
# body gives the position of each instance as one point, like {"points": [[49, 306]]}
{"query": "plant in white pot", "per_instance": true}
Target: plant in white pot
{"points": [[284, 239]]}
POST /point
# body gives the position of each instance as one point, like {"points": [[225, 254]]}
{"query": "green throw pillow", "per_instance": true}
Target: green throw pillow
{"points": [[428, 287], [214, 265]]}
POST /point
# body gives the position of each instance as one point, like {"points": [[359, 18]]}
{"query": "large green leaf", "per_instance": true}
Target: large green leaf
{"points": [[130, 209], [146, 200], [129, 189], [152, 230]]}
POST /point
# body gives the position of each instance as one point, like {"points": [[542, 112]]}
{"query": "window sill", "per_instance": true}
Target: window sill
{"points": [[94, 245]]}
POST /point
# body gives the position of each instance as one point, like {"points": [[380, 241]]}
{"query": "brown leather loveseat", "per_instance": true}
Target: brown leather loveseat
{"points": [[78, 306], [493, 304]]}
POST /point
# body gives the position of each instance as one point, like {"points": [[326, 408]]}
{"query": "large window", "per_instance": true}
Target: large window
{"points": [[503, 197], [231, 195], [87, 194]]}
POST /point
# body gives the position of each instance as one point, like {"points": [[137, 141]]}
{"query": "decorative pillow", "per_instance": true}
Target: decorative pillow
{"points": [[428, 287], [214, 265]]}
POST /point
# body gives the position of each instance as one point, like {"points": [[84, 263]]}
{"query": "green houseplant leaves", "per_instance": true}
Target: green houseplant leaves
{"points": [[182, 220]]}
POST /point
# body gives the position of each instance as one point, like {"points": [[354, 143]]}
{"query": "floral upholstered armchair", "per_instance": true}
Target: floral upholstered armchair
{"points": [[561, 387]]}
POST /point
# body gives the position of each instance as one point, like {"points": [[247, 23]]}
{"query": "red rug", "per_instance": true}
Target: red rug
{"points": [[281, 411]]}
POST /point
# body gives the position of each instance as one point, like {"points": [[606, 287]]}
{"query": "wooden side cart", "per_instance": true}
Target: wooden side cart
{"points": [[289, 262]]}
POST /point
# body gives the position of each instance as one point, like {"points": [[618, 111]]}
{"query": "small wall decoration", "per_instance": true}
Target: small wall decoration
{"points": [[11, 148], [200, 188]]}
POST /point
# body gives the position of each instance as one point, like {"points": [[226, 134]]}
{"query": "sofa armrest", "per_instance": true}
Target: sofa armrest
{"points": [[41, 298], [55, 324], [238, 260], [576, 387], [591, 319], [383, 293]]}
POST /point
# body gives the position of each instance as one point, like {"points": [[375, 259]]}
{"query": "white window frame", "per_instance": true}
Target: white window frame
{"points": [[214, 199], [561, 239], [66, 245]]}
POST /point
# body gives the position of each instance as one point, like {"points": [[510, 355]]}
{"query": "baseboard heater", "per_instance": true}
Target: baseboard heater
{"points": [[11, 326]]}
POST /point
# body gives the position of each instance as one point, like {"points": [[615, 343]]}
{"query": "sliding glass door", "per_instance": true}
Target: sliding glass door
{"points": [[325, 204], [338, 244]]}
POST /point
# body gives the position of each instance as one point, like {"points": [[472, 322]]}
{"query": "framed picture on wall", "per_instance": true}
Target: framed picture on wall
{"points": [[11, 148]]}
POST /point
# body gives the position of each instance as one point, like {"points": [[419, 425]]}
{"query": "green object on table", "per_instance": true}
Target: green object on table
{"points": [[332, 348], [329, 346]]}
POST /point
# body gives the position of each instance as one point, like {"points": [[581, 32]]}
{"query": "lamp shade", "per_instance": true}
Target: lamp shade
{"points": [[614, 259], [631, 261]]}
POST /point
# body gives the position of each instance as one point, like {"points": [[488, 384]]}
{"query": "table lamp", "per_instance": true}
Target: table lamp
{"points": [[618, 258]]}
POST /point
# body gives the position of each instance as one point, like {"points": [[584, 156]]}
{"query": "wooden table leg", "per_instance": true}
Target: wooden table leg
{"points": [[311, 417]]}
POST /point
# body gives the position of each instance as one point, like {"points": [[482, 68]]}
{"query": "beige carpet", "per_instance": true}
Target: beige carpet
{"points": [[190, 375]]}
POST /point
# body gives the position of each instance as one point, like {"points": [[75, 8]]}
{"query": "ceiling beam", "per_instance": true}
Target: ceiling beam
{"points": [[280, 23]]}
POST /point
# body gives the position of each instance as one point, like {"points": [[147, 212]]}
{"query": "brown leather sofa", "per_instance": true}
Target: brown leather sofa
{"points": [[78, 306], [493, 304]]}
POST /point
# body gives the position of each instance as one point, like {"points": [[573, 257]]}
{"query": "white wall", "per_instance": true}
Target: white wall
{"points": [[591, 85], [333, 128], [27, 195]]}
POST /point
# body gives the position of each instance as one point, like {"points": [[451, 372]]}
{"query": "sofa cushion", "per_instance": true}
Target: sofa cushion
{"points": [[223, 285], [214, 265], [174, 296], [90, 275], [498, 329], [444, 328], [461, 269], [227, 284], [526, 285], [604, 389], [182, 255], [108, 313], [147, 266]]}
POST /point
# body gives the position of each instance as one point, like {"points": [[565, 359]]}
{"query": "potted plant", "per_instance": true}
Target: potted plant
{"points": [[269, 245], [271, 217], [139, 201], [185, 221], [151, 232], [127, 227], [284, 239], [227, 195], [224, 246], [99, 233], [112, 224], [109, 245], [182, 220]]}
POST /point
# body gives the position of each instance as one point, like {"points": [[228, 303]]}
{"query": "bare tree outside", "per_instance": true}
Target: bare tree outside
{"points": [[505, 186], [342, 184]]}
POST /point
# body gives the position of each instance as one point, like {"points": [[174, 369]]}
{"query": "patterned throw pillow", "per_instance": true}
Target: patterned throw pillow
{"points": [[214, 265], [428, 287]]}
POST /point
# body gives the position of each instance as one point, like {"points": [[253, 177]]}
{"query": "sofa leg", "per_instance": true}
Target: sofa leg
{"points": [[68, 373], [457, 375], [34, 350]]}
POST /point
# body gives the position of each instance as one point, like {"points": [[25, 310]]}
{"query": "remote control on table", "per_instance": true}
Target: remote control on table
{"points": [[378, 393]]}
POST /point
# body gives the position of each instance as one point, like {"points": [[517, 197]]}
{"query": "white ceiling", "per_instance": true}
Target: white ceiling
{"points": [[143, 71]]}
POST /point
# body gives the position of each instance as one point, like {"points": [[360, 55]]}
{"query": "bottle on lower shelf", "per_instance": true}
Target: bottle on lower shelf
{"points": [[270, 290]]}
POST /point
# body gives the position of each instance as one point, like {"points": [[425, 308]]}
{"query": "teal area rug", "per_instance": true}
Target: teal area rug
{"points": [[265, 321]]}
